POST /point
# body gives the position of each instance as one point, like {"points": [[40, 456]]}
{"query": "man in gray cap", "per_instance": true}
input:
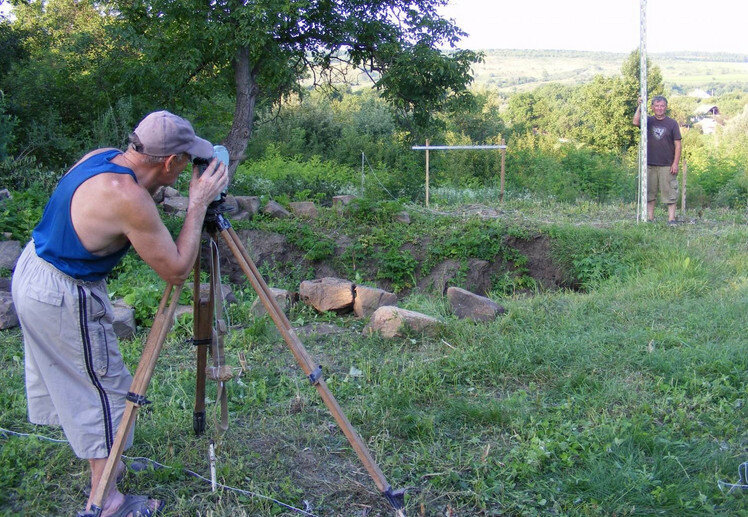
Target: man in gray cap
{"points": [[75, 376]]}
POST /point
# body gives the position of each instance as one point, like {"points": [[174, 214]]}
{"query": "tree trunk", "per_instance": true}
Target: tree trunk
{"points": [[247, 89]]}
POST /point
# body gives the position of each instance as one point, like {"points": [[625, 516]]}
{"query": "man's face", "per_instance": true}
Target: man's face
{"points": [[659, 108], [175, 165]]}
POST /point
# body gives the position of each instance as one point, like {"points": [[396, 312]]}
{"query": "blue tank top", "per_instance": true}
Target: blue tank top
{"points": [[55, 238]]}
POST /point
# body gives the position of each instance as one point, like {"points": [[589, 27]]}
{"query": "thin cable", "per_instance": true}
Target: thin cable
{"points": [[4, 431], [377, 178], [742, 480]]}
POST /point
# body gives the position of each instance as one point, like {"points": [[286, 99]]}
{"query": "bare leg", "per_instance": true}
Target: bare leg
{"points": [[650, 210], [671, 212], [114, 498]]}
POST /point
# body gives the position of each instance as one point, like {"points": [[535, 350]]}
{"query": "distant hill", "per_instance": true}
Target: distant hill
{"points": [[522, 70]]}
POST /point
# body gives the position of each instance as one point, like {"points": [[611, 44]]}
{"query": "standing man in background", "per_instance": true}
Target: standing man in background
{"points": [[75, 375], [663, 156]]}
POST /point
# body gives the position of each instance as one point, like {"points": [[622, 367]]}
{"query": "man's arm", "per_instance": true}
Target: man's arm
{"points": [[676, 158], [637, 114], [172, 260]]}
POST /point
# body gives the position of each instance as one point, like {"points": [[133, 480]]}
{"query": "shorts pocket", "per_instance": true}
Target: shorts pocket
{"points": [[44, 295], [100, 332]]}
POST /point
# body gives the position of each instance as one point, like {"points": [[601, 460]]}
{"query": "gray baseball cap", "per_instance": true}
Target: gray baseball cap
{"points": [[162, 134]]}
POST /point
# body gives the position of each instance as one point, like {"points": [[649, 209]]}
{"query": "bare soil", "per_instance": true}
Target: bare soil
{"points": [[275, 251]]}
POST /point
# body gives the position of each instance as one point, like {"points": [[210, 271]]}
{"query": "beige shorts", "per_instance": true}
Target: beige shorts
{"points": [[75, 375], [660, 179]]}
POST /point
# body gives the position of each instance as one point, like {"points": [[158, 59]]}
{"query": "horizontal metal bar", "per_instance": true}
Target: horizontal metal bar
{"points": [[448, 147]]}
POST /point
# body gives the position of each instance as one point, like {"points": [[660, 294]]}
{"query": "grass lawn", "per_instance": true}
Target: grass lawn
{"points": [[626, 396]]}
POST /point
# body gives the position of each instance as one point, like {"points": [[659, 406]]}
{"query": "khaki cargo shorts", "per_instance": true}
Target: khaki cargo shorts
{"points": [[75, 376], [660, 179]]}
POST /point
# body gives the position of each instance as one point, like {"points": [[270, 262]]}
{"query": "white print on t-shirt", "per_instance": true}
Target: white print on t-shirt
{"points": [[659, 132]]}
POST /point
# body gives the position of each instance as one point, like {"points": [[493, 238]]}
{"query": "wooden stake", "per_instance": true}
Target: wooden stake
{"points": [[683, 193], [503, 158], [427, 174]]}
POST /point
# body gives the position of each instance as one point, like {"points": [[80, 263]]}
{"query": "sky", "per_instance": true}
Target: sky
{"points": [[603, 25]]}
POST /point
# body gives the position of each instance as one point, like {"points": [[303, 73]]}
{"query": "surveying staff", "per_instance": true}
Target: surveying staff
{"points": [[75, 376], [663, 156]]}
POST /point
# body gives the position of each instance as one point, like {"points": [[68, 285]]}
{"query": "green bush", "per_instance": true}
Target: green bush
{"points": [[21, 213], [275, 176]]}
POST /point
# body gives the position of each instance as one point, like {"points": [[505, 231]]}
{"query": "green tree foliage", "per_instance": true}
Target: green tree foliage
{"points": [[261, 50], [60, 75], [597, 114]]}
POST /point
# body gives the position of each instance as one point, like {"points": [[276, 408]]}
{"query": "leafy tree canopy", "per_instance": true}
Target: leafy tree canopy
{"points": [[261, 50]]}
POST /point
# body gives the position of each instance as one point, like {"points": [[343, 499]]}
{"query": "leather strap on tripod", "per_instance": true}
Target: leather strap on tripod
{"points": [[219, 371]]}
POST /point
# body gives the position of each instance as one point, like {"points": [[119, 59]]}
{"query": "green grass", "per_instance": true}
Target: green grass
{"points": [[626, 398]]}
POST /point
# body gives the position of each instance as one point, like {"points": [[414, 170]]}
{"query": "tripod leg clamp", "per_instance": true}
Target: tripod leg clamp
{"points": [[395, 497], [315, 376], [138, 400]]}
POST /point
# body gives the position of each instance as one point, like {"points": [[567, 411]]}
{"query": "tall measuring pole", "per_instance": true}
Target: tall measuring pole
{"points": [[642, 214]]}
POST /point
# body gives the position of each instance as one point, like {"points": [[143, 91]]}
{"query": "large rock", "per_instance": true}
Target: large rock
{"points": [[343, 200], [274, 209], [402, 217], [176, 205], [226, 292], [230, 205], [327, 294], [477, 276], [249, 204], [124, 319], [472, 306], [282, 296], [9, 253], [369, 299], [8, 316], [391, 321], [305, 209]]}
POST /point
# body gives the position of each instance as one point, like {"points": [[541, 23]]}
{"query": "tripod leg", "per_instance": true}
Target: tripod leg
{"points": [[310, 368], [162, 323], [202, 318]]}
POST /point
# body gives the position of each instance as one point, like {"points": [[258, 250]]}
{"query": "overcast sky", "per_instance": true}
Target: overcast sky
{"points": [[606, 25]]}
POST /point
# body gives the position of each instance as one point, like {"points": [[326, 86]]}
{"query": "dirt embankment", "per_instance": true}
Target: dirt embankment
{"points": [[273, 250]]}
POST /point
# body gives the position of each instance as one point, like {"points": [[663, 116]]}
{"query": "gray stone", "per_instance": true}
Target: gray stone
{"points": [[170, 192], [230, 204], [391, 321], [158, 196], [369, 299], [226, 292], [250, 204], [5, 194], [9, 253], [283, 297], [181, 310], [8, 316], [342, 200], [472, 306], [304, 209], [124, 319], [274, 209], [176, 205], [241, 216], [327, 294], [402, 217]]}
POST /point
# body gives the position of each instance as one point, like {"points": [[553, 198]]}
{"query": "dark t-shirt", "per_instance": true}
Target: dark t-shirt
{"points": [[661, 136]]}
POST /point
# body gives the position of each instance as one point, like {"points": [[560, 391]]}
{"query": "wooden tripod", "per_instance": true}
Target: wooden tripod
{"points": [[217, 224]]}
